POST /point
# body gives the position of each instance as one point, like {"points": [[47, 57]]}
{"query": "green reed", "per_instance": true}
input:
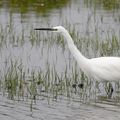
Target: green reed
{"points": [[49, 83]]}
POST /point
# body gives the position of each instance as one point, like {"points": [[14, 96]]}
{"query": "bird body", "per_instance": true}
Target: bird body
{"points": [[100, 69], [105, 68]]}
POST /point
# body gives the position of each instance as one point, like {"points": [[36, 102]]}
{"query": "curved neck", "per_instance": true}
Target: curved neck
{"points": [[81, 60]]}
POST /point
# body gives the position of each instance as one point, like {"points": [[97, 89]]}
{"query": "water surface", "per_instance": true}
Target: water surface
{"points": [[95, 28]]}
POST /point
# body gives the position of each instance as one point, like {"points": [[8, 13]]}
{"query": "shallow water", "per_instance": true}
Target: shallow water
{"points": [[60, 110], [87, 20]]}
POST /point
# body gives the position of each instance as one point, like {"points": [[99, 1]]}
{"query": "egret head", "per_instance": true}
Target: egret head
{"points": [[58, 29]]}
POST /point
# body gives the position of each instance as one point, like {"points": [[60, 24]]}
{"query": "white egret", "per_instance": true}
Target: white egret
{"points": [[101, 68]]}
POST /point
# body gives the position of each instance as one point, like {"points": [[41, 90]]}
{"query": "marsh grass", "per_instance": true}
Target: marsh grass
{"points": [[17, 83]]}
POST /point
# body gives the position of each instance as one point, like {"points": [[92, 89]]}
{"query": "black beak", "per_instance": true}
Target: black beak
{"points": [[47, 29]]}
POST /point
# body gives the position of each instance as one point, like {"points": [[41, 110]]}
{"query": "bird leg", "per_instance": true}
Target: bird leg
{"points": [[75, 87], [110, 90]]}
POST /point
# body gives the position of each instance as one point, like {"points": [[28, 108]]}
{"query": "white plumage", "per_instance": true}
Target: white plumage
{"points": [[101, 69], [106, 68]]}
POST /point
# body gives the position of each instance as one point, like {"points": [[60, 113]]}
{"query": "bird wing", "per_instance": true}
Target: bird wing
{"points": [[105, 68]]}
